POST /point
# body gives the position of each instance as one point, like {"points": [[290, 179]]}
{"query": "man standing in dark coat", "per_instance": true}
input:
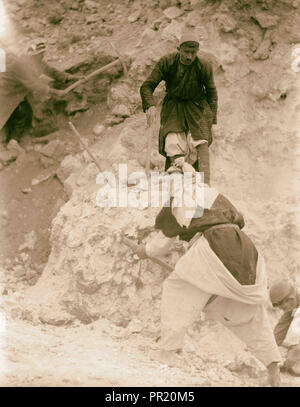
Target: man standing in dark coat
{"points": [[189, 108]]}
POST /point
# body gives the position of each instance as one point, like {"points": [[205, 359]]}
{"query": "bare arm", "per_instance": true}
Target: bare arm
{"points": [[22, 71], [54, 73]]}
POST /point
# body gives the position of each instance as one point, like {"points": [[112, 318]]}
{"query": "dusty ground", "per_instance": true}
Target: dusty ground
{"points": [[254, 161], [99, 355], [27, 208]]}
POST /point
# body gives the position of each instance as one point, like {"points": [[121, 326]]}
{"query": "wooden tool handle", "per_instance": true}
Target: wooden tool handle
{"points": [[102, 69], [148, 153], [134, 247]]}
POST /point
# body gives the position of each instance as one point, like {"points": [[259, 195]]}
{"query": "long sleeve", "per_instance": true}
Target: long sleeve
{"points": [[293, 334], [54, 73], [211, 91], [150, 84], [159, 245], [23, 72], [282, 327]]}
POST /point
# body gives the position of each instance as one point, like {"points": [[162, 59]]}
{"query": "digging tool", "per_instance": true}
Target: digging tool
{"points": [[89, 76], [151, 128], [96, 161], [148, 153], [134, 247], [120, 57]]}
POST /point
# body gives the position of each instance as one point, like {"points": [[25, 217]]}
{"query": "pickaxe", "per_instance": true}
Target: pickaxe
{"points": [[75, 131], [165, 265], [120, 58], [92, 74], [87, 149]]}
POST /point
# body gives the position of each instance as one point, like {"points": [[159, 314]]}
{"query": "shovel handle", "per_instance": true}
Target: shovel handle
{"points": [[86, 78], [148, 153]]}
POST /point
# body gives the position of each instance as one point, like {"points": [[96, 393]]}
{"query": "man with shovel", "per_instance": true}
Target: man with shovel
{"points": [[24, 87], [189, 108]]}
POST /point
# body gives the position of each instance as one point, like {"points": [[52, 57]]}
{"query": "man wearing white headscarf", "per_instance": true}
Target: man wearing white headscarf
{"points": [[221, 274]]}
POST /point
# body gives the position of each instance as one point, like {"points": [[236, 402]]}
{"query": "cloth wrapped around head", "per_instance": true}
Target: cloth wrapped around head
{"points": [[35, 49], [280, 290], [189, 39], [187, 192]]}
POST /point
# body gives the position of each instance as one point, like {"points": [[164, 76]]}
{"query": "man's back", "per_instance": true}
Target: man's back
{"points": [[20, 78]]}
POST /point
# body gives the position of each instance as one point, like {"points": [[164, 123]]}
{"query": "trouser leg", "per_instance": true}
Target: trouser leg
{"points": [[18, 122], [203, 161], [195, 152], [182, 303], [292, 362], [250, 323], [175, 147], [44, 119], [259, 337]]}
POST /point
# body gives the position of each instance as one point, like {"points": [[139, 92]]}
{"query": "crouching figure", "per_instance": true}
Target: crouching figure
{"points": [[221, 274]]}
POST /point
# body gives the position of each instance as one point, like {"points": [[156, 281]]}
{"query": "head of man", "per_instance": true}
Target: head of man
{"points": [[188, 48], [284, 295]]}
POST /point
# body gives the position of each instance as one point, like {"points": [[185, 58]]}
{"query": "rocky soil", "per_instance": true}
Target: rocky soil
{"points": [[78, 307]]}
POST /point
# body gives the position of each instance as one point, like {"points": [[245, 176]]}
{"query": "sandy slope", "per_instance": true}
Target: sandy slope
{"points": [[99, 355]]}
